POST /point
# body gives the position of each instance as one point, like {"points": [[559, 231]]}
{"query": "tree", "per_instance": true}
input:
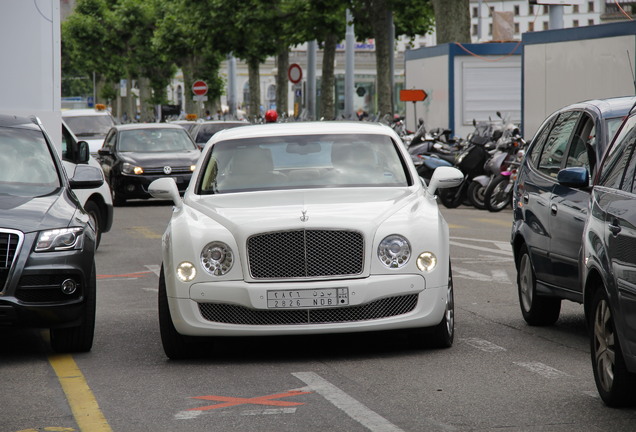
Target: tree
{"points": [[452, 21]]}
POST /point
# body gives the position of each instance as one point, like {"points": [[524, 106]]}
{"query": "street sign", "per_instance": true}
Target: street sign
{"points": [[412, 95], [199, 88], [295, 73]]}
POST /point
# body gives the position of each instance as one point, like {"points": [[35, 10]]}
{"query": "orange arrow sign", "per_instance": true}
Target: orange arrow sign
{"points": [[412, 95]]}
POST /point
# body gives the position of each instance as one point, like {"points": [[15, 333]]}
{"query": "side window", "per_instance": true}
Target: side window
{"points": [[581, 153], [535, 150], [110, 141], [619, 158], [556, 145]]}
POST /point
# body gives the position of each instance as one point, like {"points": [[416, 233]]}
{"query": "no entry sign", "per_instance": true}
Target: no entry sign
{"points": [[295, 73], [199, 88]]}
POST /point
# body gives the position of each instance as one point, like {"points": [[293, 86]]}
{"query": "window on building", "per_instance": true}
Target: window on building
{"points": [[546, 25], [546, 10], [491, 11], [475, 29], [590, 22], [475, 12], [517, 10], [490, 29], [516, 28], [590, 6], [531, 26], [575, 9], [575, 23]]}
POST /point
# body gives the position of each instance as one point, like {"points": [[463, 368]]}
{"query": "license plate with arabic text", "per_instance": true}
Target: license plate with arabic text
{"points": [[308, 298]]}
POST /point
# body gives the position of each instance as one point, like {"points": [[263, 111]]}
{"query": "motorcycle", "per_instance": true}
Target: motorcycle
{"points": [[498, 194]]}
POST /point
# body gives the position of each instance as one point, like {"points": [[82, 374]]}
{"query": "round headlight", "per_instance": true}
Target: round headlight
{"points": [[426, 262], [186, 271], [217, 258], [394, 251]]}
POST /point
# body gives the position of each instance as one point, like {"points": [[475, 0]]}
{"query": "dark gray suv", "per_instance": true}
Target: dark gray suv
{"points": [[47, 244], [550, 203]]}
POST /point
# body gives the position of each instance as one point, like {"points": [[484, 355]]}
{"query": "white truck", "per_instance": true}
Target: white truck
{"points": [[30, 85]]}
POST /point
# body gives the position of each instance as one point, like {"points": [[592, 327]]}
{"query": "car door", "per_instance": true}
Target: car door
{"points": [[616, 198], [107, 155], [568, 207]]}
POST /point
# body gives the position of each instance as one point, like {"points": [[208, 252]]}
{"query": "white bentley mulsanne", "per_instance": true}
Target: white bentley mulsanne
{"points": [[302, 228]]}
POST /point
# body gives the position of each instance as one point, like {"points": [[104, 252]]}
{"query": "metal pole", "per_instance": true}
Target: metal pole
{"points": [[391, 30], [349, 67], [231, 91], [556, 17], [311, 79]]}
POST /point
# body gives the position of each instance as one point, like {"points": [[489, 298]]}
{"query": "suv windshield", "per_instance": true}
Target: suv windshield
{"points": [[306, 161], [155, 140], [87, 126], [27, 167]]}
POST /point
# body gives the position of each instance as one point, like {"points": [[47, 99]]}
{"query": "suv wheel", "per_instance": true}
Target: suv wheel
{"points": [[94, 214], [614, 382], [118, 200], [536, 310], [79, 338]]}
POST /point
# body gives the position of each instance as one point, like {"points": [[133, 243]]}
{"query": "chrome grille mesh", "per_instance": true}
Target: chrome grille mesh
{"points": [[305, 253], [233, 314], [9, 245]]}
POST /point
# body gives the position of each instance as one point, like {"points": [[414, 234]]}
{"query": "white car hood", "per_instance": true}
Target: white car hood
{"points": [[352, 208]]}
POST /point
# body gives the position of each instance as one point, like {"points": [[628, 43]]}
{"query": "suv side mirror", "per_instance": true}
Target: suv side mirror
{"points": [[83, 152], [576, 177], [86, 177]]}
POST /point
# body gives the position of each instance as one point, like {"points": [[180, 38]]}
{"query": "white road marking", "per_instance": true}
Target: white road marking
{"points": [[483, 345], [187, 415], [354, 409], [154, 268], [496, 275], [542, 369], [269, 411], [481, 248], [152, 290]]}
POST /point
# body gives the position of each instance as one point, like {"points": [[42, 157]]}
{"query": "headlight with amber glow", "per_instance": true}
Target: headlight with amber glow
{"points": [[217, 258], [186, 271], [394, 251], [426, 262], [128, 168]]}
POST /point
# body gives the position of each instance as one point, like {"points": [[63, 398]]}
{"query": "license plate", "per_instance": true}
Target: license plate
{"points": [[308, 298]]}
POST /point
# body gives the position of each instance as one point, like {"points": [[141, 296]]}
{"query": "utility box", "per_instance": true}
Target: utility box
{"points": [[30, 76], [464, 82], [561, 67]]}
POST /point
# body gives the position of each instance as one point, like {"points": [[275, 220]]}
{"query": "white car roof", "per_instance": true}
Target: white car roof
{"points": [[84, 112]]}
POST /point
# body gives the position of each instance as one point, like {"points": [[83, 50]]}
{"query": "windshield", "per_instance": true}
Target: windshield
{"points": [[27, 167], [155, 140], [93, 125], [205, 131], [305, 161]]}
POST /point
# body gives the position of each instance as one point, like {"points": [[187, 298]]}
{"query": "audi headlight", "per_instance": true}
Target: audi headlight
{"points": [[426, 262], [60, 239], [394, 251], [217, 258], [186, 271], [128, 168]]}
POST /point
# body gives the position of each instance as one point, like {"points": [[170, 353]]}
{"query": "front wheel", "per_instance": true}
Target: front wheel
{"points": [[476, 195], [497, 197], [536, 310], [615, 384]]}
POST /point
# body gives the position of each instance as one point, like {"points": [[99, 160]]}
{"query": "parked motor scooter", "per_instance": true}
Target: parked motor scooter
{"points": [[498, 194]]}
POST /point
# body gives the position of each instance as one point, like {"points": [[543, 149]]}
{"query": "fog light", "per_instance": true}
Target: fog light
{"points": [[426, 262], [186, 271], [130, 188], [69, 286]]}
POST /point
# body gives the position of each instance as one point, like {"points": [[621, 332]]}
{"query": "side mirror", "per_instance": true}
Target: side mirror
{"points": [[104, 152], [444, 177], [83, 152], [86, 177], [576, 177], [166, 189]]}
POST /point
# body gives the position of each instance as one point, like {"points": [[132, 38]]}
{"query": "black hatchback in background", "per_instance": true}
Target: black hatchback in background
{"points": [[47, 244], [609, 270], [550, 201], [134, 155]]}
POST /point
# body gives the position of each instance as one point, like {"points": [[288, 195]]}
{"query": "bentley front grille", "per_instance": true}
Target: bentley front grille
{"points": [[305, 253], [241, 315], [9, 245]]}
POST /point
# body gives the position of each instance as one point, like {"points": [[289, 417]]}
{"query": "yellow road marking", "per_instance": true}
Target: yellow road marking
{"points": [[85, 409], [505, 223], [146, 232]]}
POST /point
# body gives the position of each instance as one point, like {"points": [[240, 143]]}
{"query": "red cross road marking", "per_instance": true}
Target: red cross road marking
{"points": [[263, 400], [127, 275]]}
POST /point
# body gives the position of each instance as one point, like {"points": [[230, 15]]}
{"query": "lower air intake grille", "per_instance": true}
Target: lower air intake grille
{"points": [[233, 314]]}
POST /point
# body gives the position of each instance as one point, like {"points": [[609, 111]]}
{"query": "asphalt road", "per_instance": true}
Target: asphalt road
{"points": [[500, 375]]}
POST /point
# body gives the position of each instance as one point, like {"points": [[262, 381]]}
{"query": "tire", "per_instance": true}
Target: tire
{"points": [[118, 200], [78, 338], [536, 310], [615, 384], [451, 198], [96, 217], [443, 334], [496, 198], [476, 195], [175, 345]]}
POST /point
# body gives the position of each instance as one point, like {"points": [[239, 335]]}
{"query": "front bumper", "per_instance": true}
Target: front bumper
{"points": [[136, 186], [380, 302]]}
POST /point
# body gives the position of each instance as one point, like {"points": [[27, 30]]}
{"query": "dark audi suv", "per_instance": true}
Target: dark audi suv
{"points": [[609, 270], [134, 155], [550, 203], [47, 243]]}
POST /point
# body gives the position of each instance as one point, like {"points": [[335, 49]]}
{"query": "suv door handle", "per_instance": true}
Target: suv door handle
{"points": [[553, 209], [526, 198]]}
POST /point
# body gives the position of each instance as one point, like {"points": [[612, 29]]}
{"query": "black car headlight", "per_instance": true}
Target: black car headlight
{"points": [[128, 168], [60, 239]]}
